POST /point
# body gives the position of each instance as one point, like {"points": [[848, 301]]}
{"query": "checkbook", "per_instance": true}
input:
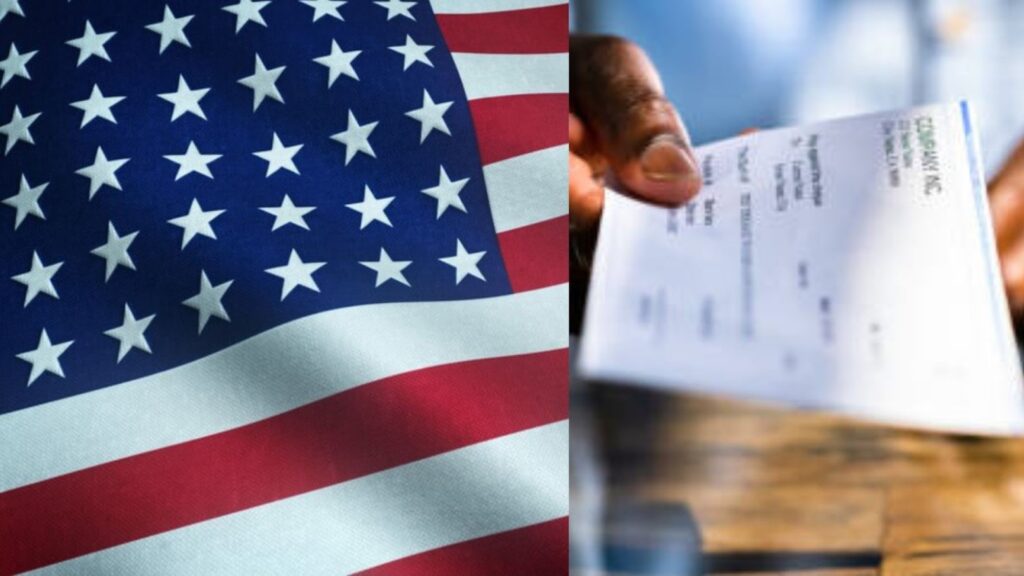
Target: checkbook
{"points": [[848, 266]]}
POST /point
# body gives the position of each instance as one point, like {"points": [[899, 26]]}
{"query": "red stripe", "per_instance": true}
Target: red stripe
{"points": [[538, 550], [348, 435], [508, 126], [537, 256], [531, 31]]}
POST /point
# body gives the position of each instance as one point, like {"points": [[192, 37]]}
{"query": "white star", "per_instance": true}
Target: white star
{"points": [[196, 222], [288, 213], [17, 129], [26, 201], [356, 138], [45, 358], [185, 99], [208, 301], [371, 208], [97, 106], [338, 62], [192, 161], [115, 251], [323, 8], [413, 52], [39, 278], [102, 171], [430, 116], [91, 44], [388, 269], [465, 263], [14, 64], [10, 6], [171, 29], [247, 11], [131, 333], [397, 8], [447, 193], [279, 156], [296, 273], [263, 84]]}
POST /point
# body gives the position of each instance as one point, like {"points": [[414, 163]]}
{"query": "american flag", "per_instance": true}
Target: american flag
{"points": [[283, 286]]}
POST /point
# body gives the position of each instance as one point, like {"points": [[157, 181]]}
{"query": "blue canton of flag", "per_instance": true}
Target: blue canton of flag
{"points": [[177, 178]]}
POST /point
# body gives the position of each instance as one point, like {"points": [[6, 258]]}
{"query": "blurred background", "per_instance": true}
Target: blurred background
{"points": [[678, 484]]}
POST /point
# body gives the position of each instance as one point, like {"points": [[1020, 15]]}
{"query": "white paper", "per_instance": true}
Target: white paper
{"points": [[848, 265]]}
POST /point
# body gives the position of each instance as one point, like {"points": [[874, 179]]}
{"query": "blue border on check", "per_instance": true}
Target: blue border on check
{"points": [[985, 230]]}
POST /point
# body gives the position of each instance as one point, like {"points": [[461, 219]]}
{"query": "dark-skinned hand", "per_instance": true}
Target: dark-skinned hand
{"points": [[624, 132]]}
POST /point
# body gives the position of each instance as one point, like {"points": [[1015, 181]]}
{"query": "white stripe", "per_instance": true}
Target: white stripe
{"points": [[528, 189], [478, 6], [487, 75], [272, 372], [491, 487]]}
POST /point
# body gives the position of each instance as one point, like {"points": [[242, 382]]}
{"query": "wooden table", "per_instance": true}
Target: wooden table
{"points": [[774, 490]]}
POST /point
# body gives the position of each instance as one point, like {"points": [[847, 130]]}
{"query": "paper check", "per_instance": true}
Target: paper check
{"points": [[847, 265]]}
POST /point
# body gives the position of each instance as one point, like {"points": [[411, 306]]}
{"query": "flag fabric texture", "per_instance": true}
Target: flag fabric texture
{"points": [[283, 287]]}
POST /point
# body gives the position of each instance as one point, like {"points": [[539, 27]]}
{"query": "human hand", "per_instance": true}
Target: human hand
{"points": [[621, 129]]}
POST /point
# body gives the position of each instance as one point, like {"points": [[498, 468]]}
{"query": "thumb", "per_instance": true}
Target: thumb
{"points": [[618, 95]]}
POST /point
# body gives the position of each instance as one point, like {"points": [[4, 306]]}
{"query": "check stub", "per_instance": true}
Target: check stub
{"points": [[848, 265]]}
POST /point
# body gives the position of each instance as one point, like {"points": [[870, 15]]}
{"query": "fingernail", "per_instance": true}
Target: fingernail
{"points": [[664, 160]]}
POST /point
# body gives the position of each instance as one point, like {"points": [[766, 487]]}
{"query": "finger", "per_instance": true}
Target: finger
{"points": [[577, 134], [1012, 261], [581, 143], [586, 193], [615, 91], [1007, 206]]}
